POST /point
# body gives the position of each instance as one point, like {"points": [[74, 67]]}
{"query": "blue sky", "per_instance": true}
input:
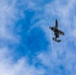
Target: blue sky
{"points": [[26, 47]]}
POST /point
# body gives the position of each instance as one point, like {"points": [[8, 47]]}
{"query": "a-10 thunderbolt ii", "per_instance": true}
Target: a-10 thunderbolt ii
{"points": [[56, 31]]}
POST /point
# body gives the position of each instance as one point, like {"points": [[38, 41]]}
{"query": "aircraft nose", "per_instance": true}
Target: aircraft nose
{"points": [[51, 28]]}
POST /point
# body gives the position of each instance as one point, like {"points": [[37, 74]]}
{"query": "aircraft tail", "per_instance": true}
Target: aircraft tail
{"points": [[56, 40]]}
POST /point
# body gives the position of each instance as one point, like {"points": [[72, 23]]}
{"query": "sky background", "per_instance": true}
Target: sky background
{"points": [[26, 45]]}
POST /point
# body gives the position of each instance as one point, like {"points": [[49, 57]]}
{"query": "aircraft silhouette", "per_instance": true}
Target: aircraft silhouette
{"points": [[56, 31]]}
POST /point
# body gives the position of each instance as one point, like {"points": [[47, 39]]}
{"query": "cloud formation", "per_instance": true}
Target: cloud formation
{"points": [[25, 45]]}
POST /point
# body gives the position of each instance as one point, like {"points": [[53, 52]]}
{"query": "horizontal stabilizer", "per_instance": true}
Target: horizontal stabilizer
{"points": [[56, 40]]}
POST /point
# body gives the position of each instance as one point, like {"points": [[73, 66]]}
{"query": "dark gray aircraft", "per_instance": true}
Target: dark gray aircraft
{"points": [[56, 32]]}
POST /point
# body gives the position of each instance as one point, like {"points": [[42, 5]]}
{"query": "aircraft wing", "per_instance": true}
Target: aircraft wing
{"points": [[56, 24], [60, 32]]}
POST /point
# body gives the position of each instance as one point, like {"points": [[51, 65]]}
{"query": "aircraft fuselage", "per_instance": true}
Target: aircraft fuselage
{"points": [[56, 31]]}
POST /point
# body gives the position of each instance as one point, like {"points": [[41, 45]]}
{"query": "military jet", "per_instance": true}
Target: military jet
{"points": [[56, 31]]}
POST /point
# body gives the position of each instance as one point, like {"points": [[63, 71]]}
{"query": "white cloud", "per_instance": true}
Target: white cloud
{"points": [[8, 17], [21, 67]]}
